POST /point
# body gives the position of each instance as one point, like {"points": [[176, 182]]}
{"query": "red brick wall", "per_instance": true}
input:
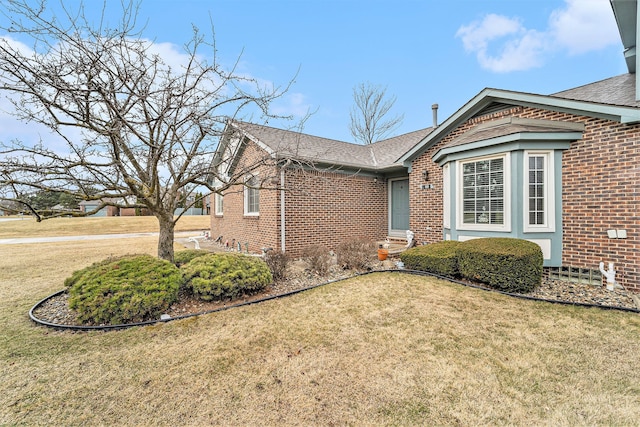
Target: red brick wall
{"points": [[321, 208], [258, 231], [600, 191], [329, 208]]}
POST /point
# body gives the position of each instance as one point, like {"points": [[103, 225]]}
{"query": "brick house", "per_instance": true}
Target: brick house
{"points": [[561, 170], [312, 190]]}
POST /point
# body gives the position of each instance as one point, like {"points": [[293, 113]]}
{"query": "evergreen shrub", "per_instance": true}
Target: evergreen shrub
{"points": [[438, 258], [183, 257], [506, 264], [219, 276], [128, 289]]}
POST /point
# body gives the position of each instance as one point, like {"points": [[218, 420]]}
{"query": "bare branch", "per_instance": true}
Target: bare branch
{"points": [[130, 128], [368, 123]]}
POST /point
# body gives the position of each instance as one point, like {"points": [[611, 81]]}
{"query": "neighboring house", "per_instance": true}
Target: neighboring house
{"points": [[561, 170], [90, 205]]}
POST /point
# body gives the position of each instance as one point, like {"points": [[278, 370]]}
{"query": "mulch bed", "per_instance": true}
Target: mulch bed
{"points": [[56, 310]]}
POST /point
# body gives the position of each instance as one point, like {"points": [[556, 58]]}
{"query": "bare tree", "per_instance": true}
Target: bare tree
{"points": [[368, 122], [136, 131]]}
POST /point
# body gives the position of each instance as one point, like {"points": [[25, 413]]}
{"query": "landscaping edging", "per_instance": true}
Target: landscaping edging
{"points": [[293, 292]]}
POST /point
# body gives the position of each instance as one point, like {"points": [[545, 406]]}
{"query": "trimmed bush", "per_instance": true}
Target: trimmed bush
{"points": [[438, 258], [181, 258], [356, 253], [510, 265], [128, 289], [224, 275], [277, 262], [318, 258]]}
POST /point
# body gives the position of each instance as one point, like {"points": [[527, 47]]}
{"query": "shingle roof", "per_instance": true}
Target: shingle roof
{"points": [[510, 126], [287, 143], [618, 90]]}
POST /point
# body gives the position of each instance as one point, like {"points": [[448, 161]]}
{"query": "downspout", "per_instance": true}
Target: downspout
{"points": [[282, 215]]}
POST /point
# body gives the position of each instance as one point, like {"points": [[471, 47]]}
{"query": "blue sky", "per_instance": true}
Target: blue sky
{"points": [[423, 51]]}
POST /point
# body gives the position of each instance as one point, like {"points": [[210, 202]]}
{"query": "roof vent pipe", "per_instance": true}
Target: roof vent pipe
{"points": [[434, 108]]}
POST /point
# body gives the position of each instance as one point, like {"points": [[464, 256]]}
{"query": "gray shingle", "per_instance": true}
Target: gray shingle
{"points": [[510, 126], [287, 143], [618, 90]]}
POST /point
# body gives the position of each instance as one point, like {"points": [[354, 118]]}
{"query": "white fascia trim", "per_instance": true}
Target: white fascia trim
{"points": [[255, 140]]}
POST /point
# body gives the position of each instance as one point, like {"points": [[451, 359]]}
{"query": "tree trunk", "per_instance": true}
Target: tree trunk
{"points": [[165, 240]]}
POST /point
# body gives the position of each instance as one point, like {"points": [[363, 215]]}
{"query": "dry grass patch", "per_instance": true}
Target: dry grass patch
{"points": [[95, 225], [378, 349]]}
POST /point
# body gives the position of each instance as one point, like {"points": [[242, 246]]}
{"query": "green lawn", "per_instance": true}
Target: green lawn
{"points": [[377, 349]]}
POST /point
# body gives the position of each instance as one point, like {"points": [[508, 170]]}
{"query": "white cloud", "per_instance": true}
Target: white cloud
{"points": [[584, 25], [503, 44], [293, 104], [521, 50], [477, 35]]}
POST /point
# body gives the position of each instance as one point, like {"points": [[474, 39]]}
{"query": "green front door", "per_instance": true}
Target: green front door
{"points": [[399, 205]]}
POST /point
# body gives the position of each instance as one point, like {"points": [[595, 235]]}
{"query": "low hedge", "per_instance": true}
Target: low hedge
{"points": [[225, 275], [128, 289], [506, 264], [438, 258]]}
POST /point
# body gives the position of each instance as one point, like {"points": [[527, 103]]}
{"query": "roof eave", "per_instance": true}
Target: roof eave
{"points": [[622, 114], [542, 137]]}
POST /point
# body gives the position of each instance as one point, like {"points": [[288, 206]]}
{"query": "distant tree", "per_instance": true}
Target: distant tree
{"points": [[369, 123], [199, 203], [44, 200], [138, 131]]}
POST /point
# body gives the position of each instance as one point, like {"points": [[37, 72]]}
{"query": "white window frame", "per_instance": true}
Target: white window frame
{"points": [[548, 191], [218, 204], [247, 193], [506, 226], [446, 196]]}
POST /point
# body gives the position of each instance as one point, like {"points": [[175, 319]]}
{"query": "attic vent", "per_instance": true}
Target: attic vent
{"points": [[493, 108]]}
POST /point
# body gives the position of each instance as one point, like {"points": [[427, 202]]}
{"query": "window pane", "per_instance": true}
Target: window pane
{"points": [[483, 192], [536, 176], [468, 193], [469, 205], [252, 196], [483, 179]]}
